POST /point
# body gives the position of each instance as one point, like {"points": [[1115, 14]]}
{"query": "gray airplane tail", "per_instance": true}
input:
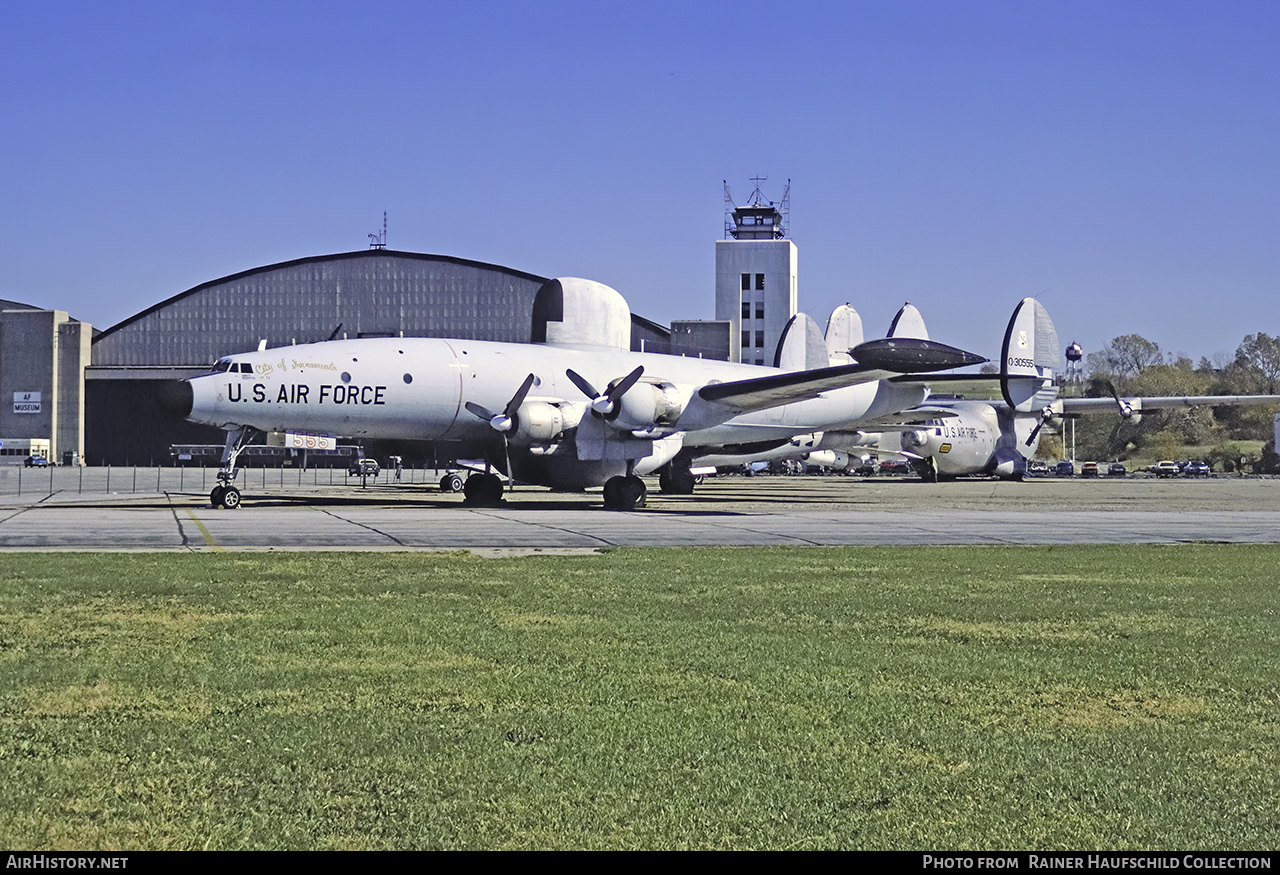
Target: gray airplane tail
{"points": [[801, 346], [908, 323], [1029, 358]]}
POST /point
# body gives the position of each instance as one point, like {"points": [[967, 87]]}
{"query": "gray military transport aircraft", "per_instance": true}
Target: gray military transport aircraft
{"points": [[946, 439], [576, 408]]}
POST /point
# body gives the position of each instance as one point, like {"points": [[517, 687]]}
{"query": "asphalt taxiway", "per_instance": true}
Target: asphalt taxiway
{"points": [[724, 511]]}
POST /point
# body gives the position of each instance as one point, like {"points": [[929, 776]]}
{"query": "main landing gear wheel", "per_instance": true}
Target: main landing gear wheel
{"points": [[624, 493], [225, 496], [483, 490], [676, 482], [451, 483]]}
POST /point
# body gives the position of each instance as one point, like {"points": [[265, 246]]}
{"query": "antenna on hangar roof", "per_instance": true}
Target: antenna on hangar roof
{"points": [[379, 241]]}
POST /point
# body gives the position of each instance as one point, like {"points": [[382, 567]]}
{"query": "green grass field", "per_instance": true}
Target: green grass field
{"points": [[883, 698]]}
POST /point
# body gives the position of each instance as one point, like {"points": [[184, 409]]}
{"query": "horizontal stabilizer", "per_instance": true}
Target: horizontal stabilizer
{"points": [[907, 420]]}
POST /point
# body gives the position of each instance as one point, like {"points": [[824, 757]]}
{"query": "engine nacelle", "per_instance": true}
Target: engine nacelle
{"points": [[913, 441], [827, 459], [540, 422], [649, 406]]}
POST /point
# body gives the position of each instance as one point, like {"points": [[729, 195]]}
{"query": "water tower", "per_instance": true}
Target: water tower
{"points": [[1074, 374]]}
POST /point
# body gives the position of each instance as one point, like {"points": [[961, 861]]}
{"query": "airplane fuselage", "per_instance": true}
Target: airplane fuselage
{"points": [[419, 388], [979, 439]]}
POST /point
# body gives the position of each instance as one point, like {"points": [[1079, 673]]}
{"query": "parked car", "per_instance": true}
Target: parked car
{"points": [[363, 468], [895, 466], [1089, 469], [1065, 468], [1167, 468], [1116, 469], [35, 462], [1197, 468], [1037, 468]]}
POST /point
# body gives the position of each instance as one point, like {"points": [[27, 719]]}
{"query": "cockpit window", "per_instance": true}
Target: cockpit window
{"points": [[221, 366]]}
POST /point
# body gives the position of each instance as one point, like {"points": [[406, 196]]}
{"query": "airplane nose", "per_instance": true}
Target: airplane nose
{"points": [[176, 398]]}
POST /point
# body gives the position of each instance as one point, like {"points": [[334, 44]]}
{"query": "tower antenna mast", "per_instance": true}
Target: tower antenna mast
{"points": [[379, 241]]}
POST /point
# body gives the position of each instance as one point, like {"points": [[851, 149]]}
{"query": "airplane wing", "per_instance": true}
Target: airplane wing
{"points": [[1138, 404], [907, 420], [876, 360]]}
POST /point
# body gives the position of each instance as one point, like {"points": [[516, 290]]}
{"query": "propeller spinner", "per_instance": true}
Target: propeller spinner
{"points": [[506, 420]]}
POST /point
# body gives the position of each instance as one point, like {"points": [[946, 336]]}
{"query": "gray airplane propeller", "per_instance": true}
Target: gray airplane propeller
{"points": [[1126, 409], [606, 403], [1045, 415]]}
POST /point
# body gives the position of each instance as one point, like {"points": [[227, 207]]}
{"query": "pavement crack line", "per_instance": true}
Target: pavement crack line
{"points": [[182, 533], [764, 531], [497, 515], [17, 513], [364, 526]]}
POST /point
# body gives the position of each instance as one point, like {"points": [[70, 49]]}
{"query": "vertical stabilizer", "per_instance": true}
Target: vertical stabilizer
{"points": [[844, 332], [908, 323], [801, 347], [1029, 358]]}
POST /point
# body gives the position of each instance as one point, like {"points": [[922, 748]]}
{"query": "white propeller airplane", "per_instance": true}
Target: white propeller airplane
{"points": [[944, 439], [959, 438], [573, 409]]}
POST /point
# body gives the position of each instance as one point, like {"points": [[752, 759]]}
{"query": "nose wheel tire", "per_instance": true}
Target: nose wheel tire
{"points": [[225, 496], [451, 483]]}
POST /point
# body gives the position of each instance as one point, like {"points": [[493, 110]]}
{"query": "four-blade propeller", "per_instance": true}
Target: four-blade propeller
{"points": [[606, 403]]}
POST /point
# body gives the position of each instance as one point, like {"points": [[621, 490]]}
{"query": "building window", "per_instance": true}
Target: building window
{"points": [[759, 361], [746, 282], [759, 309], [759, 338], [759, 282], [746, 339], [746, 309]]}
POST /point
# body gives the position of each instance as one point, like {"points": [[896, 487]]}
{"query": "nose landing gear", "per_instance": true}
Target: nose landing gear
{"points": [[225, 493]]}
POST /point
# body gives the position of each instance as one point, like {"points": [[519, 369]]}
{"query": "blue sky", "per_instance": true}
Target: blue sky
{"points": [[1118, 160]]}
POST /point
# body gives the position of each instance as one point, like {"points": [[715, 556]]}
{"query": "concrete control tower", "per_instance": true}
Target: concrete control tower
{"points": [[756, 275]]}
